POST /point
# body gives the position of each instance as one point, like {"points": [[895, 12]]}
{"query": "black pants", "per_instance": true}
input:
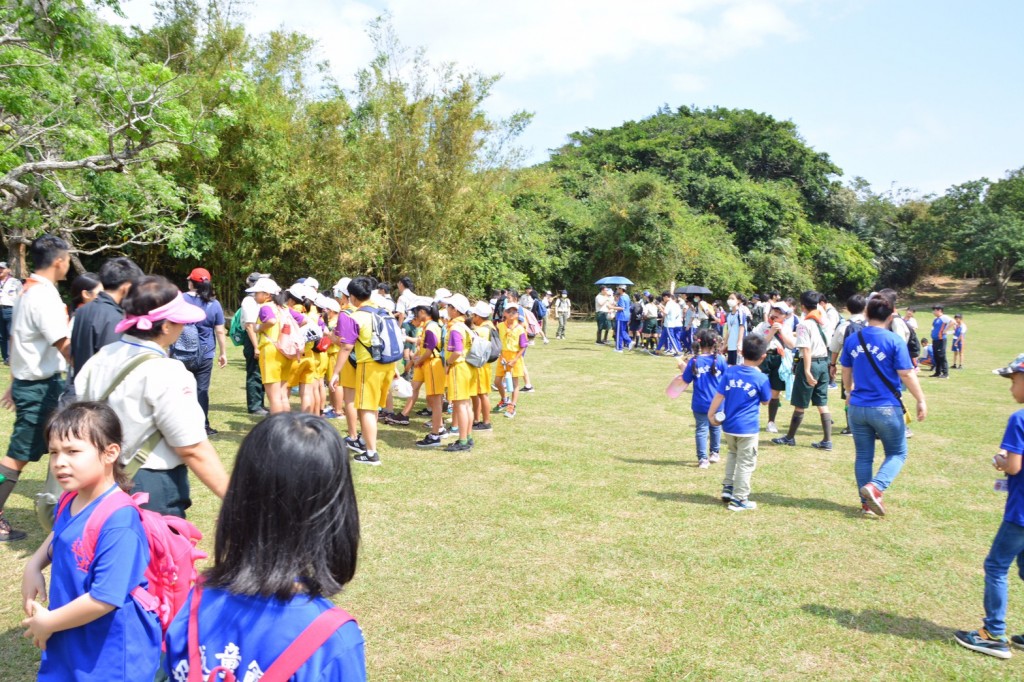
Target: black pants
{"points": [[939, 354], [253, 380], [5, 331], [202, 376], [168, 490]]}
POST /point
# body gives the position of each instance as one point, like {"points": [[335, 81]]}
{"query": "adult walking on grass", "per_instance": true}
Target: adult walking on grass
{"points": [[563, 309], [874, 362], [941, 327], [212, 335]]}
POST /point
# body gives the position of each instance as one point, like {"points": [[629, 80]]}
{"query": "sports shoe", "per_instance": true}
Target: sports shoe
{"points": [[833, 386], [210, 431], [526, 389], [772, 428], [259, 412], [482, 426], [703, 463], [425, 412], [1017, 641], [982, 642], [715, 458], [846, 431], [458, 447], [329, 413], [443, 432], [909, 433], [500, 407], [867, 513], [546, 341], [822, 445], [453, 429], [510, 413], [399, 420], [356, 444], [371, 458], [742, 505], [784, 441], [8, 534], [429, 441], [872, 498], [726, 493]]}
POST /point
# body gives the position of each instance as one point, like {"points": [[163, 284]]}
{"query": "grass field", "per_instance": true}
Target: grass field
{"points": [[580, 542]]}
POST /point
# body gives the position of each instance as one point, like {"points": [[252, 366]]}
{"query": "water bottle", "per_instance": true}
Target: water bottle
{"points": [[508, 384]]}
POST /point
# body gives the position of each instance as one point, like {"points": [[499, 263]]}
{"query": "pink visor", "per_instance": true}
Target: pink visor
{"points": [[178, 310]]}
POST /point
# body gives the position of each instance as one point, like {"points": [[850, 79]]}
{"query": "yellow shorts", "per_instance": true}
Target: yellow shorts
{"points": [[432, 375], [304, 371], [461, 381], [484, 379], [274, 367], [373, 382], [348, 375], [322, 365], [516, 370], [332, 362]]}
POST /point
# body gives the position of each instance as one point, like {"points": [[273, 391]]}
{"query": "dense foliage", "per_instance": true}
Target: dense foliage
{"points": [[194, 142]]}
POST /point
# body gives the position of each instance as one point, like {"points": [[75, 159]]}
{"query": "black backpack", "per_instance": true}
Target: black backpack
{"points": [[852, 328], [636, 313], [913, 343]]}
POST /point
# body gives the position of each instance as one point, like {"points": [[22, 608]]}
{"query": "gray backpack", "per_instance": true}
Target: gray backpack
{"points": [[479, 353]]}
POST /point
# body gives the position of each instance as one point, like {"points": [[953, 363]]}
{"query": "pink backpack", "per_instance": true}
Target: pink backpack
{"points": [[532, 325], [172, 552], [286, 665]]}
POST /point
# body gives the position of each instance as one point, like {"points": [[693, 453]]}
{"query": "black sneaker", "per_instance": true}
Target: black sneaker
{"points": [[526, 389], [425, 412], [1017, 641], [371, 458], [982, 642], [822, 445], [783, 440], [458, 447], [846, 432], [355, 445], [211, 432], [398, 420], [8, 534], [482, 426], [429, 441]]}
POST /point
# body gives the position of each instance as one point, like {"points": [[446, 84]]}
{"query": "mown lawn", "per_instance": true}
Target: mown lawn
{"points": [[580, 542]]}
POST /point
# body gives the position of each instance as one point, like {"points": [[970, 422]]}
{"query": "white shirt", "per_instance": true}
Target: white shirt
{"points": [[808, 336], [673, 315], [405, 302], [9, 290], [159, 394], [911, 322], [839, 336], [39, 320], [250, 310], [898, 326], [602, 303], [775, 343]]}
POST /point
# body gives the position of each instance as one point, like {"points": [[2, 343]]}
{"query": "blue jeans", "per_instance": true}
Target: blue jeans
{"points": [[888, 423], [1007, 546], [5, 331], [621, 334], [702, 435]]}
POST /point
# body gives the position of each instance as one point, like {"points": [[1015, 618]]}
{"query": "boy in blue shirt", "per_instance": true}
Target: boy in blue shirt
{"points": [[741, 392], [622, 308], [1008, 545]]}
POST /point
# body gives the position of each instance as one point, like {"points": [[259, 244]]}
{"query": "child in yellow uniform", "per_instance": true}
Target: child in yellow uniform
{"points": [[428, 369], [482, 327], [513, 344], [345, 391], [461, 375], [300, 299], [373, 379], [275, 368]]}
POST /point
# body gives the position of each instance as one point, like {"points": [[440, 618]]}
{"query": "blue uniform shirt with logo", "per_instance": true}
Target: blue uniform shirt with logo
{"points": [[125, 643], [622, 315], [1013, 442], [891, 356], [699, 375], [744, 389]]}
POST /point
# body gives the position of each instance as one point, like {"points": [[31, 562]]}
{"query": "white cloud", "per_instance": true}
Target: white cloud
{"points": [[687, 82]]}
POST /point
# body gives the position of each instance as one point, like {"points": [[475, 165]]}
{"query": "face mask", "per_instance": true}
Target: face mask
{"points": [[732, 303]]}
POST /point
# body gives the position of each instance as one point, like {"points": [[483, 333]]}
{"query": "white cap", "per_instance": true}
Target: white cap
{"points": [[441, 294], [419, 302], [482, 309], [321, 301], [330, 304], [264, 285], [510, 306], [312, 283], [457, 301], [781, 305], [381, 302], [341, 288], [302, 292]]}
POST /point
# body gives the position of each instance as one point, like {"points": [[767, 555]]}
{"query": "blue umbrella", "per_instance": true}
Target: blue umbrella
{"points": [[613, 281]]}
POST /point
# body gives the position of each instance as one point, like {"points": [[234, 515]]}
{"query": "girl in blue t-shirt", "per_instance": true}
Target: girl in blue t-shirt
{"points": [[703, 371], [92, 628], [287, 538]]}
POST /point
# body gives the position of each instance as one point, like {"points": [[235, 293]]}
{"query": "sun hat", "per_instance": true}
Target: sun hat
{"points": [[302, 292], [341, 287], [312, 283], [457, 301], [330, 304], [1013, 368], [781, 305], [199, 275], [264, 285], [178, 310], [320, 301], [441, 294], [511, 306], [482, 309]]}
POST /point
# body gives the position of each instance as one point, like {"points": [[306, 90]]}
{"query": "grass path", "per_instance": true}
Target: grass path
{"points": [[580, 542]]}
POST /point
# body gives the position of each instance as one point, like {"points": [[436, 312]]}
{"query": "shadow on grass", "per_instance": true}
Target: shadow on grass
{"points": [[659, 462], [20, 658], [875, 622], [762, 498], [686, 498]]}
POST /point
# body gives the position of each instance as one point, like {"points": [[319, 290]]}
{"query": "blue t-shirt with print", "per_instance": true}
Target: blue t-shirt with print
{"points": [[937, 324], [891, 355], [698, 373], [248, 633], [214, 318], [1013, 442], [734, 321], [125, 643], [622, 315], [744, 389]]}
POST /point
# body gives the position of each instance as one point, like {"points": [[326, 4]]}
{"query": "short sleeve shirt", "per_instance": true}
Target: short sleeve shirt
{"points": [[673, 315], [158, 395], [250, 310], [39, 320], [774, 344], [809, 336], [1013, 442], [891, 356], [702, 373], [214, 318], [735, 321], [743, 388], [937, 325]]}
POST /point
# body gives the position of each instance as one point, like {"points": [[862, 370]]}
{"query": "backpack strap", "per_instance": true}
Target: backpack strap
{"points": [[306, 644], [111, 502], [888, 384], [122, 375]]}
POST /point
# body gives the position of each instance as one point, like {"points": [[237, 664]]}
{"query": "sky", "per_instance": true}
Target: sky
{"points": [[910, 94]]}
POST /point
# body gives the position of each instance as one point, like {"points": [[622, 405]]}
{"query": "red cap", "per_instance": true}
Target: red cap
{"points": [[200, 275]]}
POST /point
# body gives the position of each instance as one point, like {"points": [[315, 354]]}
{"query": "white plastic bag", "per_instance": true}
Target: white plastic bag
{"points": [[401, 389]]}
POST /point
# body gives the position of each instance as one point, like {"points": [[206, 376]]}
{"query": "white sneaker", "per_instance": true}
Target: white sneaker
{"points": [[715, 458], [547, 341], [703, 464], [772, 428]]}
